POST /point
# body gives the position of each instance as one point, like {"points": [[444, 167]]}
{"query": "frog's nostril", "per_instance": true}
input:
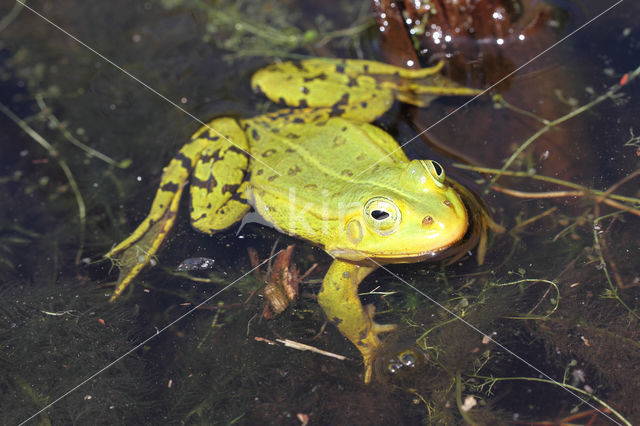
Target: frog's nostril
{"points": [[447, 203], [428, 220]]}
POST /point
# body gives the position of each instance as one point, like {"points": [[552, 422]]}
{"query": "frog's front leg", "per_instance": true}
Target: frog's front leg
{"points": [[340, 302]]}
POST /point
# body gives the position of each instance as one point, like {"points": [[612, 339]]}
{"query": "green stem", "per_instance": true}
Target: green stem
{"points": [[603, 263], [547, 179], [564, 386], [13, 14], [63, 165], [549, 124], [91, 152], [462, 412]]}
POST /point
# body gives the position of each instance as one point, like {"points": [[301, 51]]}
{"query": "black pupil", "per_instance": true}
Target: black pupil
{"points": [[437, 168], [379, 214]]}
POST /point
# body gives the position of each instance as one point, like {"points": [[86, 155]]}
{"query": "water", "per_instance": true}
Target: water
{"points": [[57, 328]]}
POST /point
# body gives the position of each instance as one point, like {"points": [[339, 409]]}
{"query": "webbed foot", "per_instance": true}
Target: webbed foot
{"points": [[370, 354]]}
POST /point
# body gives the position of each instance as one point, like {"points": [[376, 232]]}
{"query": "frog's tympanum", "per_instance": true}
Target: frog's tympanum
{"points": [[318, 170]]}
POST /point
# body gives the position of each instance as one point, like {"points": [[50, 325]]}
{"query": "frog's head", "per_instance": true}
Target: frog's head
{"points": [[422, 216]]}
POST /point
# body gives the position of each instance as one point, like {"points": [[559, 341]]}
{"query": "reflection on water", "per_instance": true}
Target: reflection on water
{"points": [[559, 289]]}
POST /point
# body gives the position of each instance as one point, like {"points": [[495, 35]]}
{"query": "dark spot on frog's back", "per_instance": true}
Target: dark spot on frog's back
{"points": [[298, 65], [238, 150], [311, 186], [353, 82], [215, 156], [272, 178], [202, 216], [208, 184], [337, 108], [184, 160], [205, 158], [298, 120], [338, 141], [336, 320], [255, 135], [294, 171], [269, 152], [170, 187], [321, 76], [304, 90], [230, 189], [347, 173], [340, 68], [211, 135], [302, 103]]}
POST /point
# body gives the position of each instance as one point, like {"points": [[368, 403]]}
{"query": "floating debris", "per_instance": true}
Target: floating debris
{"points": [[195, 264]]}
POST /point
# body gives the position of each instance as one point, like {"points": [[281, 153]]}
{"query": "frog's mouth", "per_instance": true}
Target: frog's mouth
{"points": [[392, 257]]}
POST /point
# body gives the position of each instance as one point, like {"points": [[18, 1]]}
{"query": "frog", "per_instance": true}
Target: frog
{"points": [[318, 169]]}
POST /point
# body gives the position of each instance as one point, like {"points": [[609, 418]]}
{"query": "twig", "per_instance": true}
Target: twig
{"points": [[583, 191], [533, 219], [549, 194], [300, 346]]}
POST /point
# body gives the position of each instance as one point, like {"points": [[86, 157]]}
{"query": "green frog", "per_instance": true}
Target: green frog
{"points": [[318, 170]]}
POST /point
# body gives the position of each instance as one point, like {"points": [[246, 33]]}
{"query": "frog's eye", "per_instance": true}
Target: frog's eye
{"points": [[382, 214], [436, 172]]}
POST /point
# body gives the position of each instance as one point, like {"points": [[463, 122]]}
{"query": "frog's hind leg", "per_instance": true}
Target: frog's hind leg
{"points": [[136, 251], [219, 179], [360, 90]]}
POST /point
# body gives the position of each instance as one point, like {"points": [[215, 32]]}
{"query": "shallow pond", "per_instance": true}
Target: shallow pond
{"points": [[96, 97]]}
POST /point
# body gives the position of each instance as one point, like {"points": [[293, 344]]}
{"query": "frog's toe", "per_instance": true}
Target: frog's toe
{"points": [[371, 350], [370, 310], [368, 367]]}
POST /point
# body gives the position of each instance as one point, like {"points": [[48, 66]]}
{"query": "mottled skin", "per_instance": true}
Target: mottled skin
{"points": [[321, 172]]}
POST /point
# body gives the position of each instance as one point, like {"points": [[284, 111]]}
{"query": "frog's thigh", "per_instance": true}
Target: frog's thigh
{"points": [[340, 302], [217, 179], [165, 203]]}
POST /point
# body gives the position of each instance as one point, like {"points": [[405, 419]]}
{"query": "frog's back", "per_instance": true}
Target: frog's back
{"points": [[318, 157]]}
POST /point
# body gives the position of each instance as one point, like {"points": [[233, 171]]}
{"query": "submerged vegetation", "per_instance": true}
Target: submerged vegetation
{"points": [[559, 290]]}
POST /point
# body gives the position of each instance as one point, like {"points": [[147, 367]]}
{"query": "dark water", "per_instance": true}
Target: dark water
{"points": [[58, 333]]}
